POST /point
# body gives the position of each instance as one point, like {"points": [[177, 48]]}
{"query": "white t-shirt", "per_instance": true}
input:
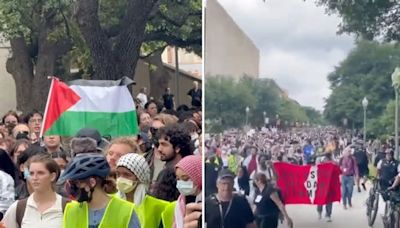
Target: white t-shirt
{"points": [[51, 218], [143, 99], [7, 192]]}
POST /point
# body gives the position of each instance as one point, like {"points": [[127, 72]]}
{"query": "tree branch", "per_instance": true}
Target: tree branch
{"points": [[153, 52], [67, 29], [182, 18], [171, 40]]}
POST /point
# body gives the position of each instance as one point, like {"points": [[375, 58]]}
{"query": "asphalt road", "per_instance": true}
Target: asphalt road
{"points": [[306, 216]]}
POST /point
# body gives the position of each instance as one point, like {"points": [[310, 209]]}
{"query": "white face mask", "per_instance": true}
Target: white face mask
{"points": [[186, 188], [27, 174]]}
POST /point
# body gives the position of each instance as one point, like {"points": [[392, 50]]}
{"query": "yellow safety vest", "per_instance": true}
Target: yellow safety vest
{"points": [[118, 214], [233, 166], [168, 215], [149, 211]]}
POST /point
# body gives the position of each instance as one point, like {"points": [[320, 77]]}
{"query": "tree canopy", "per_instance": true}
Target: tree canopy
{"points": [[226, 101], [368, 19], [366, 72]]}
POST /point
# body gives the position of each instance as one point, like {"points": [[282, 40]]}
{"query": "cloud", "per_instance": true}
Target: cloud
{"points": [[298, 44]]}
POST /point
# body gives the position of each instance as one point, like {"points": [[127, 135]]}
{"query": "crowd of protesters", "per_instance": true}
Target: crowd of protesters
{"points": [[241, 163], [152, 179]]}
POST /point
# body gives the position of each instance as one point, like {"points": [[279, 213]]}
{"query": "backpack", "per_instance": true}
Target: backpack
{"points": [[21, 206]]}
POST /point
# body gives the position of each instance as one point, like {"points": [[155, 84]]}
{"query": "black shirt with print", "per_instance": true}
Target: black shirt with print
{"points": [[238, 216], [264, 204]]}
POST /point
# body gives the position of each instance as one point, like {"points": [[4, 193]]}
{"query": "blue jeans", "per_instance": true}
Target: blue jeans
{"points": [[328, 209], [347, 189]]}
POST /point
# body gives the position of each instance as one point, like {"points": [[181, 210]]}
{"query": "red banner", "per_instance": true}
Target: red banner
{"points": [[308, 184]]}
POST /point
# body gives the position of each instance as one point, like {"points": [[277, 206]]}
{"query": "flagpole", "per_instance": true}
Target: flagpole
{"points": [[47, 105]]}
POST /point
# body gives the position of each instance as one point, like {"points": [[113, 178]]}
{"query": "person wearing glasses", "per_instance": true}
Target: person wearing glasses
{"points": [[34, 120]]}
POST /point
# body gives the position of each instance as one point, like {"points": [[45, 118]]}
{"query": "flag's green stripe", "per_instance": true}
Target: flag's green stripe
{"points": [[108, 123]]}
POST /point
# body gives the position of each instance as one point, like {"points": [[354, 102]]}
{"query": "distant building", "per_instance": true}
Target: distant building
{"points": [[188, 62], [179, 87], [228, 50]]}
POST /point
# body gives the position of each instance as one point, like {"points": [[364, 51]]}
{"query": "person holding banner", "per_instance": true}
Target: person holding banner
{"points": [[268, 204], [328, 206]]}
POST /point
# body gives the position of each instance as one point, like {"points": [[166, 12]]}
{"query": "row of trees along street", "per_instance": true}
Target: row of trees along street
{"points": [[226, 101]]}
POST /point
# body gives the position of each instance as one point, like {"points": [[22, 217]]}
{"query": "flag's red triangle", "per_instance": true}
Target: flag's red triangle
{"points": [[60, 99]]}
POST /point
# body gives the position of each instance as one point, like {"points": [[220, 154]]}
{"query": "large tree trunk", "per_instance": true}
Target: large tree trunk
{"points": [[117, 57], [31, 80], [20, 66], [159, 78]]}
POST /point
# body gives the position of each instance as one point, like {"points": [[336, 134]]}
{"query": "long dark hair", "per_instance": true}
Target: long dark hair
{"points": [[7, 166], [165, 186], [243, 181]]}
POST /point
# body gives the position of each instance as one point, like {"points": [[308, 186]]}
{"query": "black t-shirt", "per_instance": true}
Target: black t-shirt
{"points": [[168, 101], [361, 157], [264, 203], [238, 216], [196, 97], [211, 171], [379, 156]]}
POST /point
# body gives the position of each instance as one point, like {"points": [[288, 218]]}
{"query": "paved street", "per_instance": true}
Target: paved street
{"points": [[306, 216]]}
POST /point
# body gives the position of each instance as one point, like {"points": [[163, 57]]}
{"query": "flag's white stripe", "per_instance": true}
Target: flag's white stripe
{"points": [[103, 99]]}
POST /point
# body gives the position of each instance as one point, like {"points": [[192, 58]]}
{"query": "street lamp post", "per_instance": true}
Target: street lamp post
{"points": [[396, 85], [247, 113], [365, 104]]}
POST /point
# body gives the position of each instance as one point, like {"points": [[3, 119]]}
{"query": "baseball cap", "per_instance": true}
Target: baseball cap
{"points": [[94, 134], [225, 173]]}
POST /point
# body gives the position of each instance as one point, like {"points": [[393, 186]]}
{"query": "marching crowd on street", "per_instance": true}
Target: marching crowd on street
{"points": [[153, 179], [241, 164]]}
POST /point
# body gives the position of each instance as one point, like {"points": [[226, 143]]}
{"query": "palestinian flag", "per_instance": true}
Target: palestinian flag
{"points": [[104, 105]]}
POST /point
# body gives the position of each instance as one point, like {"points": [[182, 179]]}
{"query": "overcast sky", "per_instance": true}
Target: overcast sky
{"points": [[297, 41]]}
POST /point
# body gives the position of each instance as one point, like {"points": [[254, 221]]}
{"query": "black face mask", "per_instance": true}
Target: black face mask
{"points": [[84, 196], [79, 194]]}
